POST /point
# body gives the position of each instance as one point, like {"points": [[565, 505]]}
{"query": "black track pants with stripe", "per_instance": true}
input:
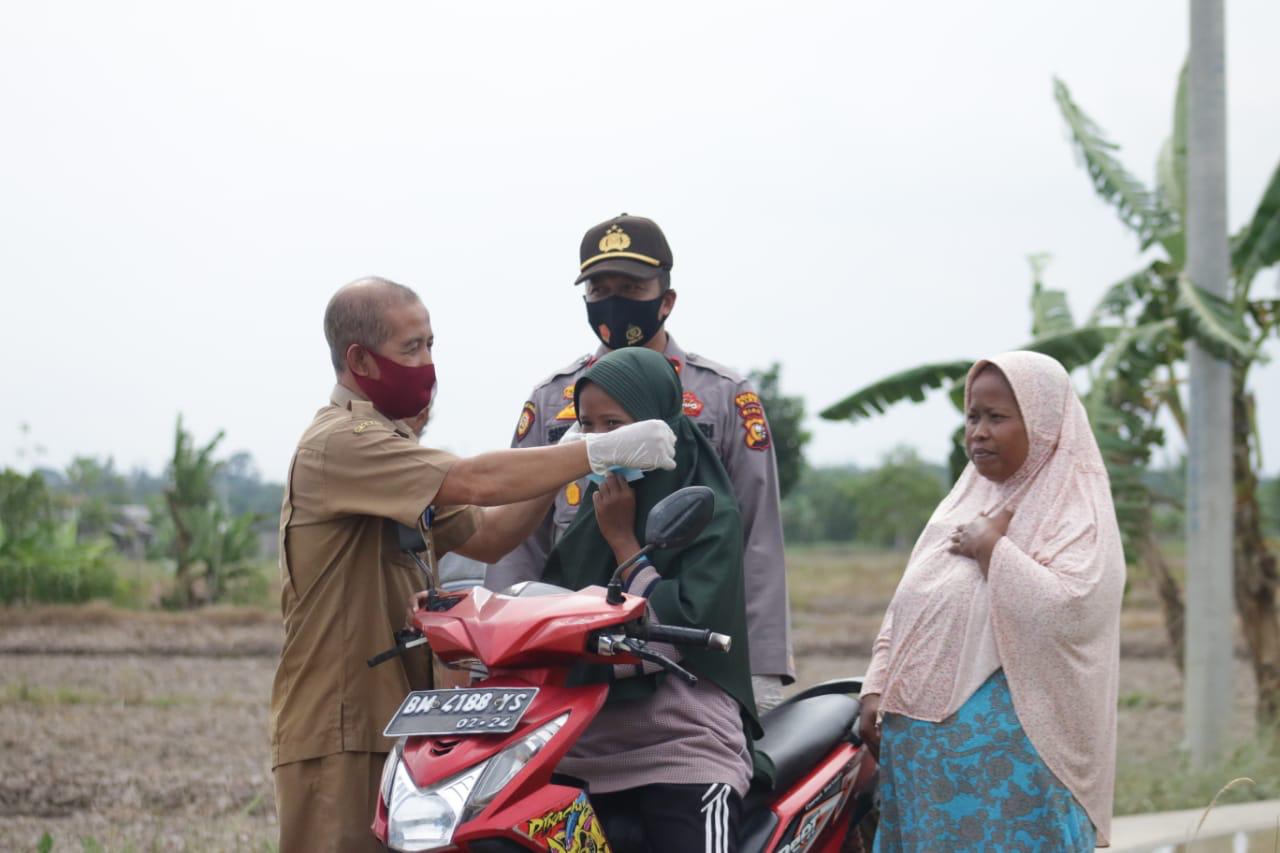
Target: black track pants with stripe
{"points": [[671, 818]]}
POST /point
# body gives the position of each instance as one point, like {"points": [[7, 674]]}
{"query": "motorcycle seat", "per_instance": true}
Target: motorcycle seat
{"points": [[798, 733]]}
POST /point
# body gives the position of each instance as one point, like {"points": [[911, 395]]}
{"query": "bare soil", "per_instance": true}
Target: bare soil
{"points": [[149, 731]]}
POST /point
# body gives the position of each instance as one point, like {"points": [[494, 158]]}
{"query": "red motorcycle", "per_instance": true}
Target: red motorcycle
{"points": [[475, 768]]}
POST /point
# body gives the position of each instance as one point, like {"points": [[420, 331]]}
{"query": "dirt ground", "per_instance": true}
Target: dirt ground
{"points": [[148, 731]]}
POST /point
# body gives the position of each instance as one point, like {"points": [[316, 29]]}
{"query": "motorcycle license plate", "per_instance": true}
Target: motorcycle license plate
{"points": [[466, 711]]}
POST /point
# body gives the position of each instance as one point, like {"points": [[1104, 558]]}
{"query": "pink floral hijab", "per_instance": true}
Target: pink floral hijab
{"points": [[1051, 597]]}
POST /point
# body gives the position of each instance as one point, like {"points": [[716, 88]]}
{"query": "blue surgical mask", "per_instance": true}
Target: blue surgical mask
{"points": [[628, 474]]}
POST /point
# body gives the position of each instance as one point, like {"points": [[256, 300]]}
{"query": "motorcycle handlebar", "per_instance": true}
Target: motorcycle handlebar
{"points": [[701, 637]]}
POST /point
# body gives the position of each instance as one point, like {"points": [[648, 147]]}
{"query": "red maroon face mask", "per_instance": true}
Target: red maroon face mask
{"points": [[400, 391]]}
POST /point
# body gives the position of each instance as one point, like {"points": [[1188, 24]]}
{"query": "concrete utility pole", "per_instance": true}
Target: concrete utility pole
{"points": [[1210, 492]]}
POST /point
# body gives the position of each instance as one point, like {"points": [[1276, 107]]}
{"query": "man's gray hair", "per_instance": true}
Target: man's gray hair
{"points": [[357, 315]]}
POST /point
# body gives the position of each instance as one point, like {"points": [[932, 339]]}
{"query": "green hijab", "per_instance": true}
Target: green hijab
{"points": [[702, 585]]}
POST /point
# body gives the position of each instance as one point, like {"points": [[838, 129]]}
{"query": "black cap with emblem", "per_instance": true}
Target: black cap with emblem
{"points": [[625, 245]]}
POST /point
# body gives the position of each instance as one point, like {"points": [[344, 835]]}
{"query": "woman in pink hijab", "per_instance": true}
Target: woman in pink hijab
{"points": [[991, 695]]}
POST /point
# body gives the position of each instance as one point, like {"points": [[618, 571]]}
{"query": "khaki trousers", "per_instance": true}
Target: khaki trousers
{"points": [[327, 804]]}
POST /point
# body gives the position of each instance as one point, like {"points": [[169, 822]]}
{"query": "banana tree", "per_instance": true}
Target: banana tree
{"points": [[211, 546], [1132, 349]]}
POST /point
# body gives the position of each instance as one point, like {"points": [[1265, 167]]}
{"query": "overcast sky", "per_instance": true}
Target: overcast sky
{"points": [[848, 188]]}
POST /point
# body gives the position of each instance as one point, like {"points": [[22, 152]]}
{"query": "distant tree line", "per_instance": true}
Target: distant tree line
{"points": [[886, 506], [64, 532]]}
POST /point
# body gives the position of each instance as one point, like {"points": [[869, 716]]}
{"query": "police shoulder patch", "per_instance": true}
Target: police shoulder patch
{"points": [[756, 428], [757, 437], [757, 431], [527, 416]]}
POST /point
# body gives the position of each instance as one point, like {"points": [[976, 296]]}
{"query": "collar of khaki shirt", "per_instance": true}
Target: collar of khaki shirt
{"points": [[344, 398]]}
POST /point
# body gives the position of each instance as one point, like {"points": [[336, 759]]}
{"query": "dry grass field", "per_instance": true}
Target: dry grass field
{"points": [[143, 730]]}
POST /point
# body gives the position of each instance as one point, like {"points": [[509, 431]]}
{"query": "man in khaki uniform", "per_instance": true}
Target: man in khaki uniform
{"points": [[626, 271], [357, 471]]}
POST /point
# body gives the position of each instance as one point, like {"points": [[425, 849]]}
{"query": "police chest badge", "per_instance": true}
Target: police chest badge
{"points": [[569, 412], [751, 411], [692, 406], [527, 416]]}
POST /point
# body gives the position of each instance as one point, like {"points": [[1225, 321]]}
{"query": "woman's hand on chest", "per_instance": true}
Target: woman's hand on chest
{"points": [[978, 538]]}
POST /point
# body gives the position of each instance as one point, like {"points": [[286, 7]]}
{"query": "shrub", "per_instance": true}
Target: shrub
{"points": [[40, 559]]}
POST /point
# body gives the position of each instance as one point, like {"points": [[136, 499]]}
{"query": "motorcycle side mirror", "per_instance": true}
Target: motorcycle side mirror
{"points": [[674, 522], [678, 518]]}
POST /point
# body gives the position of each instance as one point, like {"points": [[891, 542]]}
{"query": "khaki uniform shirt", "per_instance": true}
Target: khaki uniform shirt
{"points": [[346, 583], [728, 411]]}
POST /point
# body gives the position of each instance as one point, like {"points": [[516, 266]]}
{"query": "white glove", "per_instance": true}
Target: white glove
{"points": [[644, 445]]}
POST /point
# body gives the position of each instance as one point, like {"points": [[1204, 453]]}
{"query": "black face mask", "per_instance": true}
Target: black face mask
{"points": [[619, 322]]}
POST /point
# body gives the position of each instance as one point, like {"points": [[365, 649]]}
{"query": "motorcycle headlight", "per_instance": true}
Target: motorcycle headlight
{"points": [[425, 818], [389, 771], [504, 766]]}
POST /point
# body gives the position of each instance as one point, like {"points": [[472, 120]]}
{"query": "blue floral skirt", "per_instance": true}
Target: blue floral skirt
{"points": [[973, 782]]}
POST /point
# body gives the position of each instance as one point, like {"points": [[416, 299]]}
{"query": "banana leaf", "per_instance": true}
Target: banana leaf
{"points": [[1257, 246], [1077, 347], [1122, 295], [1139, 208], [1213, 322], [911, 384], [1051, 315]]}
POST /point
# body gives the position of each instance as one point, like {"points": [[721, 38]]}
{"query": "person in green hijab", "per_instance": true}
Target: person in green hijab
{"points": [[674, 757]]}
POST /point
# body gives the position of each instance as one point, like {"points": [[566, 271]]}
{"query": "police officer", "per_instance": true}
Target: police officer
{"points": [[625, 267], [357, 471]]}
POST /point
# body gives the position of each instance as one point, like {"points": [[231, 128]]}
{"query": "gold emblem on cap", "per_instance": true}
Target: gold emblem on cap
{"points": [[615, 240]]}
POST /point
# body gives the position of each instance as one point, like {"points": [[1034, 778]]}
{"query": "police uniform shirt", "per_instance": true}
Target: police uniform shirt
{"points": [[729, 413], [345, 582]]}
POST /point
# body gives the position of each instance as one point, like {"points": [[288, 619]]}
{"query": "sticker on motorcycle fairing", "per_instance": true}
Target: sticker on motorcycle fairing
{"points": [[471, 711], [818, 812], [830, 790], [572, 829]]}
